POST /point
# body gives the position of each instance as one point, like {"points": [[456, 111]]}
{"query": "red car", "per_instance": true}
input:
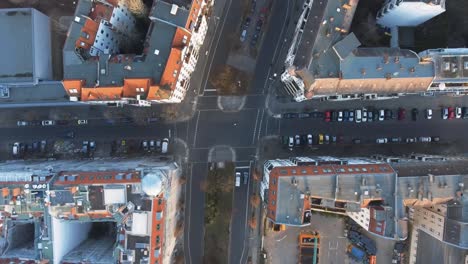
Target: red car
{"points": [[451, 114], [401, 113], [327, 116]]}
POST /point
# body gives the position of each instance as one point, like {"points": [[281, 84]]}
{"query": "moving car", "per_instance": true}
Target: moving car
{"points": [[381, 140], [428, 113], [48, 122], [238, 179], [424, 139], [165, 145]]}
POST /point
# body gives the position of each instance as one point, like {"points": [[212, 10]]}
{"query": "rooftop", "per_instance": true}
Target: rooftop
{"points": [[451, 65], [16, 29]]}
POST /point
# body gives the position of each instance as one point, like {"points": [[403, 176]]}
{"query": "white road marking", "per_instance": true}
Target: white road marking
{"points": [[196, 129]]}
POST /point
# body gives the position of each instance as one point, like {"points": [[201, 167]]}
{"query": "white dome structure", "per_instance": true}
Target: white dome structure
{"points": [[152, 183]]}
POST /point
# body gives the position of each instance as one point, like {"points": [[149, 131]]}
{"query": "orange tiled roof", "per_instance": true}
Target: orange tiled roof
{"points": [[179, 40], [98, 177], [172, 70], [193, 15], [101, 93], [131, 85], [101, 11], [90, 29], [157, 207], [73, 84]]}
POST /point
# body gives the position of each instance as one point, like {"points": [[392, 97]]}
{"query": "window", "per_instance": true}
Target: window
{"points": [[274, 181], [158, 226], [273, 202]]}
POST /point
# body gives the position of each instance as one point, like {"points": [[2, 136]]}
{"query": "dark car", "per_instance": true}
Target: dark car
{"points": [[35, 146], [289, 115], [414, 114], [327, 116], [388, 114], [376, 114], [465, 112], [334, 116], [317, 114], [395, 140], [259, 25], [401, 113], [435, 139], [304, 115], [370, 116], [345, 115], [247, 22], [351, 116], [253, 42], [357, 141]]}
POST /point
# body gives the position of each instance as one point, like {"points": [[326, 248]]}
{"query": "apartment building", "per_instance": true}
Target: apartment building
{"points": [[409, 13], [96, 70]]}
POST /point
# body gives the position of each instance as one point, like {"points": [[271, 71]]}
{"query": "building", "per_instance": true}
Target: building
{"points": [[85, 212], [26, 47], [451, 69], [96, 69], [325, 61], [373, 192], [408, 13]]}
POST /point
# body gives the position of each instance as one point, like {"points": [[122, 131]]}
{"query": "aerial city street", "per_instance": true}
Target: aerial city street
{"points": [[234, 131]]}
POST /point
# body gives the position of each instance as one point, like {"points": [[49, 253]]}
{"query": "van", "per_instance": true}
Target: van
{"points": [[238, 179], [164, 145], [358, 115]]}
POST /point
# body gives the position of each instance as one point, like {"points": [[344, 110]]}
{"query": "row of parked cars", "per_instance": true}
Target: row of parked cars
{"points": [[160, 146], [309, 140], [50, 122], [407, 140], [20, 149]]}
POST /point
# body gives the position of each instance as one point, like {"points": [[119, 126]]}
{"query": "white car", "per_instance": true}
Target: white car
{"points": [[364, 115], [340, 116], [243, 35], [428, 113], [381, 115], [164, 145], [290, 142], [445, 113], [297, 140], [48, 122], [22, 123], [458, 112], [425, 139], [381, 140], [309, 139], [238, 179], [358, 116], [82, 122], [16, 149]]}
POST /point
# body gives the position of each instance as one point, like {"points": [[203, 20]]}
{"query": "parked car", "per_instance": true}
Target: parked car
{"points": [[43, 145], [458, 112], [84, 147], [396, 139], [290, 142], [401, 113], [388, 114], [22, 123], [445, 113], [435, 139], [364, 115], [428, 113], [340, 116], [333, 139], [254, 40], [152, 145], [246, 22], [414, 114], [351, 116], [451, 113], [82, 122], [144, 145], [48, 122], [243, 35], [345, 115], [317, 114], [16, 149], [297, 140], [320, 139], [410, 140], [158, 145], [92, 145], [309, 140], [370, 116], [327, 116], [425, 139], [246, 177], [357, 141], [327, 139], [464, 112], [381, 115], [289, 115], [381, 140], [334, 116], [259, 25], [237, 183], [35, 146], [358, 115], [304, 115], [165, 145]]}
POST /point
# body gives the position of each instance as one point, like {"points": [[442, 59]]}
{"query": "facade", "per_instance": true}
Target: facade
{"points": [[98, 212], [408, 13], [382, 197], [27, 51], [95, 71]]}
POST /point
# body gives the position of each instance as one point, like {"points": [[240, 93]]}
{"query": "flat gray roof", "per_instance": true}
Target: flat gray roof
{"points": [[17, 50], [162, 11]]}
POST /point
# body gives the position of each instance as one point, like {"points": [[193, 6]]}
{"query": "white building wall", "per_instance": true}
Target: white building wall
{"points": [[362, 217], [402, 13], [106, 41], [42, 61], [429, 221], [122, 20], [66, 236]]}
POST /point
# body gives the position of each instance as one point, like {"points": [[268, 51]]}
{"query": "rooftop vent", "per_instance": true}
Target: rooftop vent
{"points": [[174, 9]]}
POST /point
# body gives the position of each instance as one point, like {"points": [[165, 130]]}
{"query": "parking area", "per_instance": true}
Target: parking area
{"points": [[282, 246]]}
